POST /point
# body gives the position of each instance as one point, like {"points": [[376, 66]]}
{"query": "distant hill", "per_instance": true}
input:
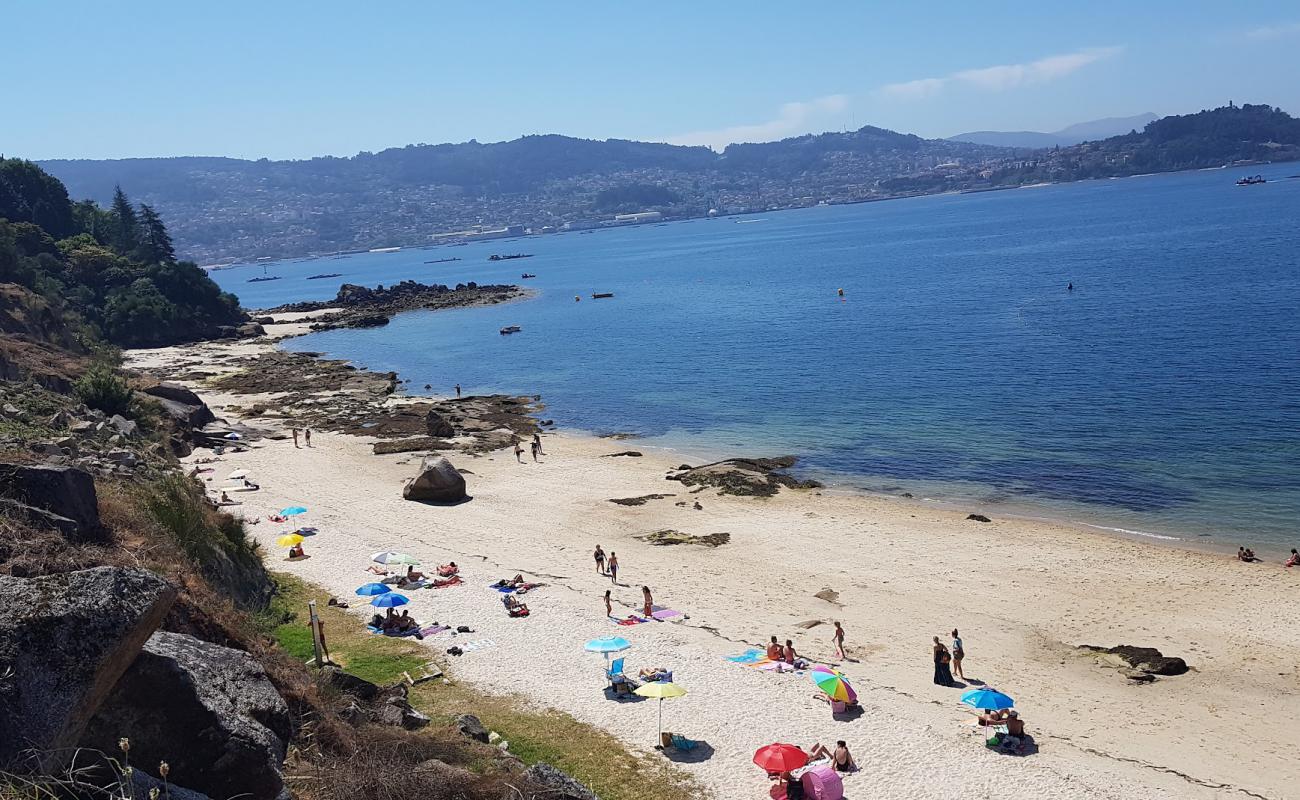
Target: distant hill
{"points": [[1074, 134], [225, 208]]}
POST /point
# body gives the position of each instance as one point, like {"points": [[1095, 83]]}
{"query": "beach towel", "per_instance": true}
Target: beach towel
{"points": [[503, 589], [750, 656], [664, 614], [478, 644], [632, 620], [433, 629]]}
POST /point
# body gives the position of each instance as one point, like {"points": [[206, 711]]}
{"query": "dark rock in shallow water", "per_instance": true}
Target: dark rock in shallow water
{"points": [[65, 640], [754, 477], [639, 501], [67, 492], [1143, 659], [627, 453], [978, 518], [209, 711]]}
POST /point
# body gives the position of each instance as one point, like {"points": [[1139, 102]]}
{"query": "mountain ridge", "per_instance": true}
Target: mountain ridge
{"points": [[1070, 135]]}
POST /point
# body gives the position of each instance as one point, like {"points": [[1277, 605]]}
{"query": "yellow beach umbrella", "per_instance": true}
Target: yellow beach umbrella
{"points": [[289, 540], [660, 690]]}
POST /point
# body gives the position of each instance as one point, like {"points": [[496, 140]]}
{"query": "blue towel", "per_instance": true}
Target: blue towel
{"points": [[750, 656]]}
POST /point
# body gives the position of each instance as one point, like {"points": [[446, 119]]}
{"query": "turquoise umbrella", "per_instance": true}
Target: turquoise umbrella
{"points": [[987, 699], [607, 644], [292, 511]]}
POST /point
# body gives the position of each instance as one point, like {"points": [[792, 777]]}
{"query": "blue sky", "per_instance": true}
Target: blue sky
{"points": [[287, 79]]}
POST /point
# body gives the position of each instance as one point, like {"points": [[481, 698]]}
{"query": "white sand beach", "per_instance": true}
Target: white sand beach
{"points": [[1023, 593]]}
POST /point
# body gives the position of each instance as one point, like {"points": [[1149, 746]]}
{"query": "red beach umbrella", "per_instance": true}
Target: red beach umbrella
{"points": [[780, 757]]}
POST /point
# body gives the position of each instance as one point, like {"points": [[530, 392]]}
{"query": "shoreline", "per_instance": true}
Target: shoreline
{"points": [[1025, 593]]}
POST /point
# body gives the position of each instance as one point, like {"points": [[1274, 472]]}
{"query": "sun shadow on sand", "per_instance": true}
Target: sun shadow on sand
{"points": [[444, 503], [702, 751], [610, 694]]}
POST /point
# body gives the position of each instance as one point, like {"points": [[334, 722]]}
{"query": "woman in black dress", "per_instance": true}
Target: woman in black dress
{"points": [[942, 658]]}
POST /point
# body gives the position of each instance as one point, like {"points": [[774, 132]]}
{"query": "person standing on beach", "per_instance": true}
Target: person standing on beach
{"points": [[613, 567], [458, 391], [537, 442], [942, 673], [838, 639], [519, 453], [958, 653], [599, 555], [295, 438], [536, 448], [609, 604], [307, 435], [648, 606]]}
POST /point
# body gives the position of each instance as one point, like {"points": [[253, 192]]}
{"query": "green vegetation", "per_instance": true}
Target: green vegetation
{"points": [[588, 754], [103, 388], [111, 272]]}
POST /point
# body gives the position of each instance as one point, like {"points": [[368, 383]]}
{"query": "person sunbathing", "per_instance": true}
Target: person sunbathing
{"points": [[653, 674], [413, 574], [452, 581], [296, 551], [993, 717], [791, 657], [1246, 554], [774, 651], [405, 622], [447, 570], [513, 607], [378, 570], [1015, 725], [841, 759], [1294, 560]]}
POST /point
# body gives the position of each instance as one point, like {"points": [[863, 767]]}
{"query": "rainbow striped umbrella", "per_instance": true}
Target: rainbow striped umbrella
{"points": [[834, 684]]}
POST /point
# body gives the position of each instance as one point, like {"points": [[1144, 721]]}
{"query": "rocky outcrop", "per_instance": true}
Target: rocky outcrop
{"points": [[1145, 660], [183, 406], [668, 536], [978, 518], [753, 477], [65, 640], [438, 482], [365, 307], [209, 711], [556, 784], [437, 425], [67, 493]]}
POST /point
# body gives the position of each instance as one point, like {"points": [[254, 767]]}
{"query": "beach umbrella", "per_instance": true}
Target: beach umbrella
{"points": [[237, 474], [389, 557], [780, 757], [292, 511], [987, 699], [289, 540], [373, 589], [834, 684], [390, 600], [607, 645], [661, 691]]}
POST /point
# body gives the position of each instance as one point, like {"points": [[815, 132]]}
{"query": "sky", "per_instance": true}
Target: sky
{"points": [[287, 79]]}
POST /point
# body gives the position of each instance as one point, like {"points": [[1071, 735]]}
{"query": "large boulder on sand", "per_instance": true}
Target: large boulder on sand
{"points": [[64, 642], [66, 492], [209, 711], [438, 482], [182, 405], [438, 425]]}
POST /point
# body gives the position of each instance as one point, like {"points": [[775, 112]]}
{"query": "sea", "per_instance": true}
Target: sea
{"points": [[1159, 397]]}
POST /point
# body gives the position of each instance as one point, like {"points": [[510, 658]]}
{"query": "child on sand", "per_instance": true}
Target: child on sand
{"points": [[1294, 560], [307, 435], [838, 639], [649, 606], [609, 604], [613, 567]]}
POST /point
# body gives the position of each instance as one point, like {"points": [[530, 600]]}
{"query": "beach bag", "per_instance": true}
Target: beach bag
{"points": [[822, 783], [463, 629]]}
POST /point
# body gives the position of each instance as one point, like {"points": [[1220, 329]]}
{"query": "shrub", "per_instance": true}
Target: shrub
{"points": [[102, 388]]}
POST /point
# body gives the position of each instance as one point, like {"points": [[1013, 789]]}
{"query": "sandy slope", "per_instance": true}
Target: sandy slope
{"points": [[1023, 593]]}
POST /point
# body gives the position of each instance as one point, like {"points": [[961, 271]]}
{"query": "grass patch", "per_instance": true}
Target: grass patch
{"points": [[535, 734]]}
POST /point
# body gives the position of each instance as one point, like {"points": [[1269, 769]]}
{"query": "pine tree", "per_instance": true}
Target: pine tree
{"points": [[126, 235], [155, 243]]}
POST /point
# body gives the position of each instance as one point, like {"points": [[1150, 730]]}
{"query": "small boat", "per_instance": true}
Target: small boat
{"points": [[601, 295], [264, 278], [1251, 180], [527, 275], [443, 260], [325, 275], [509, 329], [498, 257]]}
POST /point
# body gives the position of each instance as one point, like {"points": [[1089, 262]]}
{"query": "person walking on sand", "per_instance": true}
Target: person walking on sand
{"points": [[537, 442], [609, 604], [536, 448], [942, 673], [295, 438], [458, 391], [307, 435], [838, 639], [648, 606], [519, 453], [613, 567], [600, 560], [958, 653]]}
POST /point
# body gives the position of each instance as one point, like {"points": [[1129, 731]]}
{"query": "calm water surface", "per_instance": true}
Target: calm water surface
{"points": [[1162, 395]]}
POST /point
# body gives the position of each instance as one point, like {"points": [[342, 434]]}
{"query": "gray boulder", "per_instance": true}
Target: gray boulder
{"points": [[557, 784], [438, 425], [471, 726], [65, 491], [209, 711], [174, 391], [438, 482], [122, 425], [64, 642]]}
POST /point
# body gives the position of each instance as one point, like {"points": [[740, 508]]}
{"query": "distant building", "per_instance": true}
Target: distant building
{"points": [[580, 225], [638, 218]]}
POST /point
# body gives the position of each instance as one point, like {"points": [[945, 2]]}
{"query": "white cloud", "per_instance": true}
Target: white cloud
{"points": [[792, 119], [1274, 31], [1002, 77]]}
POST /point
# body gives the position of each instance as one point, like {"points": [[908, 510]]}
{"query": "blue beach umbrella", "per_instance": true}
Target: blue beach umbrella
{"points": [[292, 511], [390, 600], [987, 699], [373, 589], [607, 644]]}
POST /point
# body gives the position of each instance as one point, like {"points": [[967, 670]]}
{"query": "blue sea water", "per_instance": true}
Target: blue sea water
{"points": [[1162, 395]]}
